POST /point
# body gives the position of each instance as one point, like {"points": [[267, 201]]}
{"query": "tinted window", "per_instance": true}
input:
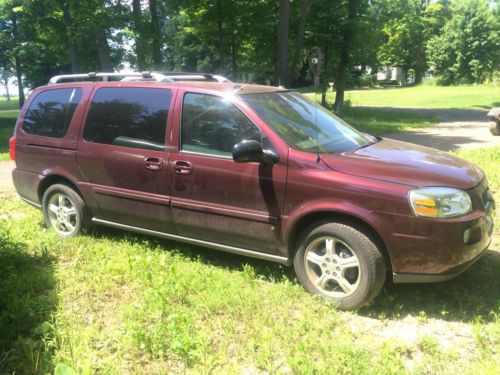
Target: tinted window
{"points": [[213, 125], [51, 111], [131, 117]]}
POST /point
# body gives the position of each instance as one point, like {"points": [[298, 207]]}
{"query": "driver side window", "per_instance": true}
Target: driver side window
{"points": [[212, 125]]}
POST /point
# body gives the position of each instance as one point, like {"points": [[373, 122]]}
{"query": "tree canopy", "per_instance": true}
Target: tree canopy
{"points": [[277, 41]]}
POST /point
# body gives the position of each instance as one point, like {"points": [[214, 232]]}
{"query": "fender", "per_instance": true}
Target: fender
{"points": [[322, 206], [58, 172]]}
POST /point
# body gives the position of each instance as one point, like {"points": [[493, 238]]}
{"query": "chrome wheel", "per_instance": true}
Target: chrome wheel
{"points": [[62, 214], [332, 266]]}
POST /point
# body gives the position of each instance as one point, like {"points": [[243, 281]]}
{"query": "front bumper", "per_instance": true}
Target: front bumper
{"points": [[400, 278], [432, 250]]}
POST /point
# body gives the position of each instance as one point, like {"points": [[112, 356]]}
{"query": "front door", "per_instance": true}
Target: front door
{"points": [[214, 198], [122, 156]]}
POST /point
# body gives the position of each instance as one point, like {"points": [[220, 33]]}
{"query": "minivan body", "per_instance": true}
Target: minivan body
{"points": [[254, 170]]}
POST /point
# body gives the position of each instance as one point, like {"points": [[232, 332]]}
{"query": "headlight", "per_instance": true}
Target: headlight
{"points": [[440, 202]]}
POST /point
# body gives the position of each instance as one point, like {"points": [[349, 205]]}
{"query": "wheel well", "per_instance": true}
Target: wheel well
{"points": [[317, 217], [54, 179]]}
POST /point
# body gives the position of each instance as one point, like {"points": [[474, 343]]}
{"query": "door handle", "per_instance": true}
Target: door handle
{"points": [[153, 164], [182, 167]]}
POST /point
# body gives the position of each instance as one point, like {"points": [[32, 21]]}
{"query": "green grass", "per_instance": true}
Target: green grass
{"points": [[376, 122], [113, 302], [425, 96], [7, 122], [8, 105]]}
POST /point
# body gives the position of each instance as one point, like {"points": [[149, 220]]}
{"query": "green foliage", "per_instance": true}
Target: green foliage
{"points": [[468, 49]]}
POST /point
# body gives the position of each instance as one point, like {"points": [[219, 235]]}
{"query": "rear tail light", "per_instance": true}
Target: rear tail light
{"points": [[12, 147]]}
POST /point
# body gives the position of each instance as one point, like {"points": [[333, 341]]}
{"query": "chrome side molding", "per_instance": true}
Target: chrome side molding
{"points": [[212, 245]]}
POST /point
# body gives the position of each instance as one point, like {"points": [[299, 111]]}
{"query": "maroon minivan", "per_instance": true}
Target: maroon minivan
{"points": [[253, 170]]}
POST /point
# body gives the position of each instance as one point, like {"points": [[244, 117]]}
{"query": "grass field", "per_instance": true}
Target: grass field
{"points": [[6, 105], [375, 121], [112, 302], [424, 96]]}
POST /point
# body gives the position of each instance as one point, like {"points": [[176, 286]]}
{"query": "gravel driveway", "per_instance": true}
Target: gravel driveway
{"points": [[6, 176], [458, 129]]}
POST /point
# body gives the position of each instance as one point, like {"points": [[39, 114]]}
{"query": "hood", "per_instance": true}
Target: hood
{"points": [[406, 163]]}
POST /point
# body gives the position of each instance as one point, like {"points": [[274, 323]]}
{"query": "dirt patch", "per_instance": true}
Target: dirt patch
{"points": [[6, 184]]}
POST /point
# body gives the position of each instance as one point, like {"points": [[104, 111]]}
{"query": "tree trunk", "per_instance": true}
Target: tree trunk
{"points": [[156, 35], [325, 81], [5, 78], [103, 51], [19, 73], [68, 22], [344, 63], [220, 30], [234, 66], [304, 9], [139, 44], [282, 43]]}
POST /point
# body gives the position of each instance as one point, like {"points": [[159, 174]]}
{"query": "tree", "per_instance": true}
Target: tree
{"points": [[139, 35], [353, 10], [304, 10], [468, 49], [282, 43]]}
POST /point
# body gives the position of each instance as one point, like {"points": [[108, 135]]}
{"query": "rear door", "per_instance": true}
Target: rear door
{"points": [[122, 156]]}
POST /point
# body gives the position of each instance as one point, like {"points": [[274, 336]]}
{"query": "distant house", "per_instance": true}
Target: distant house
{"points": [[393, 75]]}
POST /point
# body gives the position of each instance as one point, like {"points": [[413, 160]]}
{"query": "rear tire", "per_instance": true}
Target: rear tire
{"points": [[338, 261], [64, 211]]}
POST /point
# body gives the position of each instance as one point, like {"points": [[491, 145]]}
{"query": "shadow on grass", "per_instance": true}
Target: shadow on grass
{"points": [[470, 297], [27, 301], [266, 270]]}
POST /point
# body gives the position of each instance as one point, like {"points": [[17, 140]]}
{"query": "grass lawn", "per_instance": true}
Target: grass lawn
{"points": [[424, 96], [112, 302], [6, 105], [377, 122], [7, 122]]}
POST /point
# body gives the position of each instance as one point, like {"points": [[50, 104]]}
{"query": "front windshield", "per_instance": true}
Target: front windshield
{"points": [[303, 125]]}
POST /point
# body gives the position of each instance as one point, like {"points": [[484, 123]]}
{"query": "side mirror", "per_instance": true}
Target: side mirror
{"points": [[251, 151]]}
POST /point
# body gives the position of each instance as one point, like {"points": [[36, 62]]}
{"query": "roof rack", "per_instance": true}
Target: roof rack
{"points": [[135, 76]]}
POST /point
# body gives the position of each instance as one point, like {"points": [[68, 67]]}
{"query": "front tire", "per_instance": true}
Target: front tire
{"points": [[64, 210], [339, 262]]}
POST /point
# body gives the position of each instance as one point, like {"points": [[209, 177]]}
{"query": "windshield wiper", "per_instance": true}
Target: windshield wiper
{"points": [[367, 144]]}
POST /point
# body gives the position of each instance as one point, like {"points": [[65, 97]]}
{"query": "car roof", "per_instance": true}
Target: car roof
{"points": [[240, 88]]}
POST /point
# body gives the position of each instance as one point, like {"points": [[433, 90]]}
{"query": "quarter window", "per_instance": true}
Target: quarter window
{"points": [[130, 117], [213, 125], [50, 112]]}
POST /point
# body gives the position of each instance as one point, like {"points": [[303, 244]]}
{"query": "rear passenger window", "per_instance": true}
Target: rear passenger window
{"points": [[51, 111], [130, 117]]}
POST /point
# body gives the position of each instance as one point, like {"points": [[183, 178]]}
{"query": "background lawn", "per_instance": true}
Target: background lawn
{"points": [[113, 302], [377, 122], [6, 105], [424, 96]]}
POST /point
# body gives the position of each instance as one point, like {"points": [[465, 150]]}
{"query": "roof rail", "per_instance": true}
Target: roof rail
{"points": [[143, 76], [105, 76], [183, 76]]}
